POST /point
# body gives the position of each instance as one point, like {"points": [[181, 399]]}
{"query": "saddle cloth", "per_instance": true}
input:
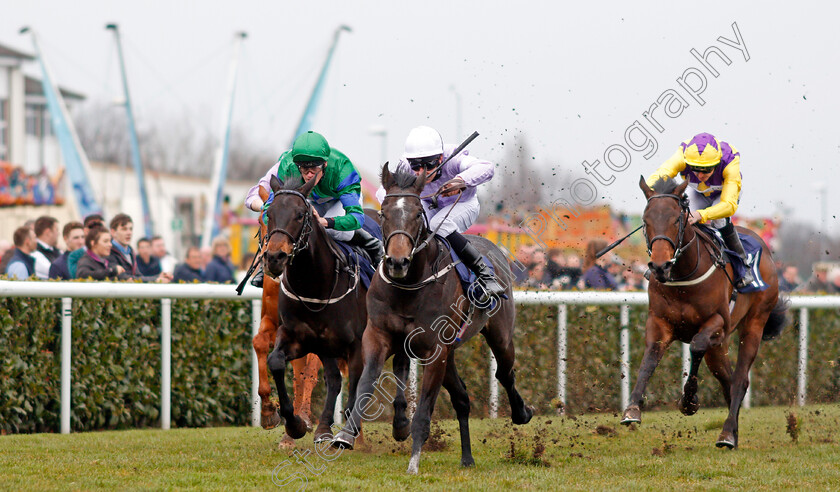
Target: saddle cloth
{"points": [[357, 256], [753, 250], [468, 278]]}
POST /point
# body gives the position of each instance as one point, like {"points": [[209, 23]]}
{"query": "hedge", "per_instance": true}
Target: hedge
{"points": [[116, 364]]}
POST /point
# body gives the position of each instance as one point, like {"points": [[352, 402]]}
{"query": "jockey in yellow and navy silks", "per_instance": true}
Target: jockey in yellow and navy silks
{"points": [[713, 171]]}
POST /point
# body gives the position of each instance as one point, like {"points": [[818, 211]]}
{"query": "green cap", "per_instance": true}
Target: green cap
{"points": [[310, 146]]}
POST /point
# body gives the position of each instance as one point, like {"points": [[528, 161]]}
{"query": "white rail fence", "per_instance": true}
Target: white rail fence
{"points": [[166, 293]]}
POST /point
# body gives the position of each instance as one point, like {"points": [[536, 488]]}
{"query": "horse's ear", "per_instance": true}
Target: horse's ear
{"points": [[263, 194], [420, 183], [307, 187], [385, 177], [681, 188], [645, 188], [276, 184]]}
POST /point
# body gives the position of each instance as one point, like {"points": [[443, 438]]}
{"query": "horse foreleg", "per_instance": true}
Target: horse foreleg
{"points": [[657, 341], [332, 376], [401, 426], [461, 403], [750, 341], [263, 341], [295, 426], [375, 348], [710, 335], [305, 379], [433, 375]]}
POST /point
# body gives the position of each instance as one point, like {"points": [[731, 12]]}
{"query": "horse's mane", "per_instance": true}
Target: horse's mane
{"points": [[665, 186], [404, 180], [291, 182]]}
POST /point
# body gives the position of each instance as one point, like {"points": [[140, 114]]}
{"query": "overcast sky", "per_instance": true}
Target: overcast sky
{"points": [[570, 77]]}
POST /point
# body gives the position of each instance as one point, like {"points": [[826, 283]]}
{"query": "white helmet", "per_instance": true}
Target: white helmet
{"points": [[423, 141]]}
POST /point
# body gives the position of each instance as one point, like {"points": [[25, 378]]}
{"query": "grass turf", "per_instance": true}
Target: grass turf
{"points": [[586, 452]]}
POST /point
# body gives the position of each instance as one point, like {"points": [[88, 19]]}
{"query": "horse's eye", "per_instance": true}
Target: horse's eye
{"points": [[300, 216], [419, 214]]}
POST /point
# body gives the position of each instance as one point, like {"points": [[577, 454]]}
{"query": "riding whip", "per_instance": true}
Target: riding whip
{"points": [[613, 245]]}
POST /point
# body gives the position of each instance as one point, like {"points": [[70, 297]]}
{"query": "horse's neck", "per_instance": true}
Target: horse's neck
{"points": [[689, 261], [422, 265], [313, 268]]}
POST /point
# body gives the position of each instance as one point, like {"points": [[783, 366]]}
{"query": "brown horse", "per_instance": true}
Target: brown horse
{"points": [[689, 300], [413, 304], [321, 304], [305, 369]]}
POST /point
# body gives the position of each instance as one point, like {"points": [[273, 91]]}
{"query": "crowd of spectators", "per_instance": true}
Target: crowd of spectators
{"points": [[99, 252], [556, 270]]}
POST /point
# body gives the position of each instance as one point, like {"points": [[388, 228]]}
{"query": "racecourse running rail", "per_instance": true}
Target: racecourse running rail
{"points": [[166, 292]]}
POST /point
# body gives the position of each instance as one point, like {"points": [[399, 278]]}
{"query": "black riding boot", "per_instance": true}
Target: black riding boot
{"points": [[733, 242], [372, 246], [257, 279], [475, 262]]}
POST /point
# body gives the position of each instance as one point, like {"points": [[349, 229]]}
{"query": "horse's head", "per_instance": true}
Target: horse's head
{"points": [[403, 219], [665, 220], [289, 223]]}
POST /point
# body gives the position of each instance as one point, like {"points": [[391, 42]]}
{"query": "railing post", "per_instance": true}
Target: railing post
{"points": [[625, 356], [66, 375], [165, 363], [562, 313], [494, 388], [802, 392], [256, 318], [686, 363], [747, 401]]}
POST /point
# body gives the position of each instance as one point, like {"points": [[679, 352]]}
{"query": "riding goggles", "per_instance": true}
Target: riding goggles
{"points": [[419, 163], [701, 169], [309, 165]]}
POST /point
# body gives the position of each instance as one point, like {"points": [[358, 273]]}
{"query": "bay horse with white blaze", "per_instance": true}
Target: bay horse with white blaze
{"points": [[321, 305], [689, 301], [417, 307]]}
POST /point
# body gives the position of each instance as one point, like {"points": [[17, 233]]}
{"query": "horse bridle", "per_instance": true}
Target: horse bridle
{"points": [[401, 232], [302, 241], [679, 249]]}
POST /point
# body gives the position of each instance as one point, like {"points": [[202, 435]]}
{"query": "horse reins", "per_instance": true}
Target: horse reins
{"points": [[413, 239], [679, 249]]}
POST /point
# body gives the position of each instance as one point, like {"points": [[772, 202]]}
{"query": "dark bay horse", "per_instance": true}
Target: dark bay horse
{"points": [[689, 296], [305, 369], [417, 308], [321, 305]]}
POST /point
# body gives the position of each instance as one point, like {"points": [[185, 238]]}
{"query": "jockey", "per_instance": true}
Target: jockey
{"points": [[424, 150], [338, 189], [713, 171]]}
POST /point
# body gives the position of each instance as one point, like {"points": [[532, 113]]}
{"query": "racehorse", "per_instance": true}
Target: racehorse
{"points": [[417, 308], [689, 300], [322, 303], [305, 369]]}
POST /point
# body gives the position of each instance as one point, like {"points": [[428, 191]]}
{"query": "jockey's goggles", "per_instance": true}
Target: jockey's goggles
{"points": [[701, 169], [418, 163], [309, 165]]}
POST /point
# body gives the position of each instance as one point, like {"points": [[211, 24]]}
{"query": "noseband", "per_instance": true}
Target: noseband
{"points": [[302, 241], [679, 249]]}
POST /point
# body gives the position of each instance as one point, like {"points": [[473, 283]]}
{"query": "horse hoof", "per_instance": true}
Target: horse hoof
{"points": [[286, 443], [523, 418], [691, 407], [296, 428], [343, 440], [468, 462], [402, 432], [308, 421], [324, 437], [726, 440], [633, 415], [271, 420]]}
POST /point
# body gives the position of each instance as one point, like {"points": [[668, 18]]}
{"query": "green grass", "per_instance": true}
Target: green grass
{"points": [[666, 451]]}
